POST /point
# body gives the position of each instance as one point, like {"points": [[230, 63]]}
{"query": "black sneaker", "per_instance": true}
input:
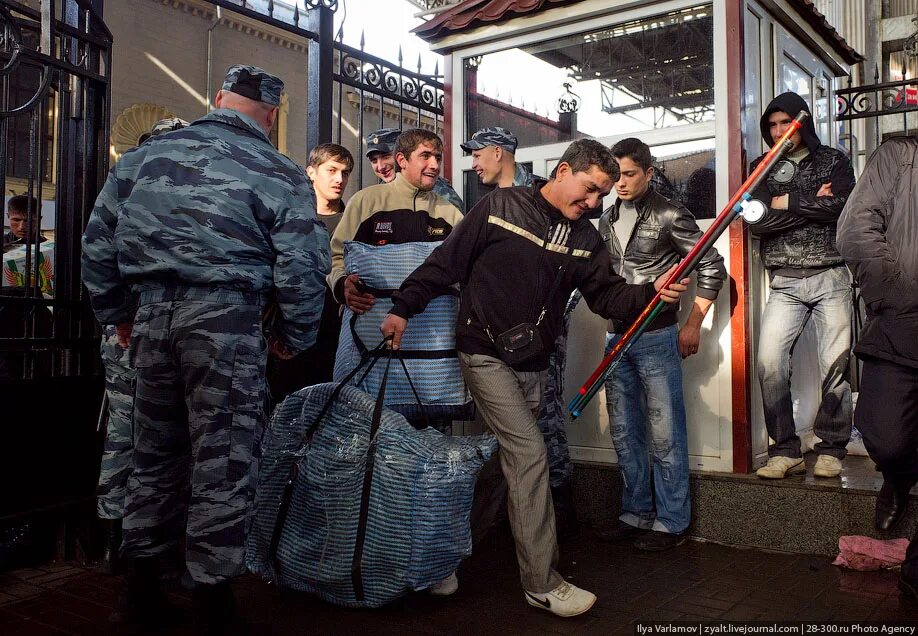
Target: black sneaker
{"points": [[621, 531], [656, 541]]}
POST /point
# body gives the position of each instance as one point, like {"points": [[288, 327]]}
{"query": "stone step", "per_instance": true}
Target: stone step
{"points": [[799, 514]]}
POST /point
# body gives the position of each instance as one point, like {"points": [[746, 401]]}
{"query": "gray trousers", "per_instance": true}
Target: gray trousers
{"points": [[508, 402]]}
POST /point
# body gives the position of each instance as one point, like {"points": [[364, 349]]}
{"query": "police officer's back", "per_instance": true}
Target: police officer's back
{"points": [[201, 225]]}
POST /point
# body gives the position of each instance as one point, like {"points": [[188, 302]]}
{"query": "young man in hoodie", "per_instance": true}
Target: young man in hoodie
{"points": [[805, 195], [518, 255]]}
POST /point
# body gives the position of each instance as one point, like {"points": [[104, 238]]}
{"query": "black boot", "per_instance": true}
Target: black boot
{"points": [[214, 610], [111, 562], [142, 600], [566, 523]]}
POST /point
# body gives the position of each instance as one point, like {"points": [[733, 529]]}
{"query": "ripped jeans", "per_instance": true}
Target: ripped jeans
{"points": [[647, 420]]}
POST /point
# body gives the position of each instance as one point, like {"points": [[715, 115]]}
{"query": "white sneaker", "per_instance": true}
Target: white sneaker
{"points": [[827, 466], [781, 467], [447, 586], [565, 600]]}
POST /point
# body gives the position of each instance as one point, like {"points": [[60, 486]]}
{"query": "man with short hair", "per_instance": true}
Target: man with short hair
{"points": [[381, 154], [805, 195], [18, 211], [494, 158], [188, 237], [329, 168], [402, 210], [515, 283], [656, 507], [877, 234]]}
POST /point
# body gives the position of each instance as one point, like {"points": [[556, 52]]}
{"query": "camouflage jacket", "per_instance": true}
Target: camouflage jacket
{"points": [[442, 188], [212, 205], [522, 176]]}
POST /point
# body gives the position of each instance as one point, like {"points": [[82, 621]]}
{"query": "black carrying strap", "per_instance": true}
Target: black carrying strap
{"points": [[422, 354], [357, 559], [476, 304], [287, 495]]}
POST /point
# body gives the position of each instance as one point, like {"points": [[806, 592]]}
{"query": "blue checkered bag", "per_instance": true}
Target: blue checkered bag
{"points": [[355, 505], [428, 346]]}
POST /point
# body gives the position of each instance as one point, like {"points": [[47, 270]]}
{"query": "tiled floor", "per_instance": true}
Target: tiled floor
{"points": [[696, 582]]}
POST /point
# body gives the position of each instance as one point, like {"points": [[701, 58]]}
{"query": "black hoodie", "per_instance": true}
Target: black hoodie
{"points": [[802, 237]]}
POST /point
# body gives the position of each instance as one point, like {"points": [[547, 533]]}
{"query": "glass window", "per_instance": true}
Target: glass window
{"points": [[641, 75], [684, 172]]}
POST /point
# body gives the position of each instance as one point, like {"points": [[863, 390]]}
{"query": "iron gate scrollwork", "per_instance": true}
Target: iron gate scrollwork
{"points": [[403, 97], [54, 120]]}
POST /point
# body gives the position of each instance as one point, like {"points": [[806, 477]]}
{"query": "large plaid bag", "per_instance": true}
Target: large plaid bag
{"points": [[355, 505], [428, 346]]}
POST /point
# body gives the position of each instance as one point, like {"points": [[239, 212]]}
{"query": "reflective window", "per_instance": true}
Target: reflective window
{"points": [[640, 75], [684, 172]]}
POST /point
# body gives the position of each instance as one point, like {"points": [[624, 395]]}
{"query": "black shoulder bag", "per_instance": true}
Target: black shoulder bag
{"points": [[524, 341]]}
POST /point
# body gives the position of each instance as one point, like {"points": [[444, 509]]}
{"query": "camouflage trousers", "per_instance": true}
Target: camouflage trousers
{"points": [[119, 436], [552, 416], [199, 403]]}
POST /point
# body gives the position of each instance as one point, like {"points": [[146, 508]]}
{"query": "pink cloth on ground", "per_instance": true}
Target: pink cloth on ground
{"points": [[865, 553]]}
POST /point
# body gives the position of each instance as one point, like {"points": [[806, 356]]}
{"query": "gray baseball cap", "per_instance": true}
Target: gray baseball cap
{"points": [[254, 83], [382, 140], [494, 136]]}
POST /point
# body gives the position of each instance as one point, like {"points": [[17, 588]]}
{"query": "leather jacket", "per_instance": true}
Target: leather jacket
{"points": [[663, 234]]}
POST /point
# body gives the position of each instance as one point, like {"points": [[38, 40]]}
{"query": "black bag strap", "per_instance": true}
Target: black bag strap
{"points": [[476, 303], [414, 354], [287, 495], [357, 560]]}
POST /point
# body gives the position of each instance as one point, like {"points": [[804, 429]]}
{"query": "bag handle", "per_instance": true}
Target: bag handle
{"points": [[287, 495], [356, 560]]}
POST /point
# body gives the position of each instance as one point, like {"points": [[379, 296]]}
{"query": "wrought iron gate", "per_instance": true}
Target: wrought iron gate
{"points": [[380, 94], [54, 121]]}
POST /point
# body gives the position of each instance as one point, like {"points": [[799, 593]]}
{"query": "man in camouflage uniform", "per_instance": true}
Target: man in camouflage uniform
{"points": [[381, 154], [119, 405], [494, 160], [199, 226]]}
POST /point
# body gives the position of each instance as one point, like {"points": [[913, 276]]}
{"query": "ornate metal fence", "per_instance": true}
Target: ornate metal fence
{"points": [[382, 95], [54, 119]]}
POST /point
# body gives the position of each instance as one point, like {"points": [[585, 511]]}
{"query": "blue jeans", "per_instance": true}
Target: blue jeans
{"points": [[826, 299], [646, 387]]}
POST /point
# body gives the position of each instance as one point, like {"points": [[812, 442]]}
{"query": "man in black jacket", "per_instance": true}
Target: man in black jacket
{"points": [[518, 255], [877, 234], [655, 512], [805, 195]]}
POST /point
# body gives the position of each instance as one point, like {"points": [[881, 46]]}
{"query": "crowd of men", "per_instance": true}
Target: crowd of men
{"points": [[215, 265]]}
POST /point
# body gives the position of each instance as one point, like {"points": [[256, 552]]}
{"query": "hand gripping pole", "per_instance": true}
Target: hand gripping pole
{"points": [[738, 205]]}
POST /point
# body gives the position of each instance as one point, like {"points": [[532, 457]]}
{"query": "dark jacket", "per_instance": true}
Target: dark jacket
{"points": [[662, 235], [878, 235], [506, 253], [803, 236]]}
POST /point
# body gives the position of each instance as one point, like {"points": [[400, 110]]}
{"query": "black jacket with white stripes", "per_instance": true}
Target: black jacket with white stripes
{"points": [[507, 252]]}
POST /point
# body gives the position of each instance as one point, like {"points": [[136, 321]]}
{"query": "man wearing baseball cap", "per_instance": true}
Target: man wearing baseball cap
{"points": [[177, 256], [493, 158]]}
